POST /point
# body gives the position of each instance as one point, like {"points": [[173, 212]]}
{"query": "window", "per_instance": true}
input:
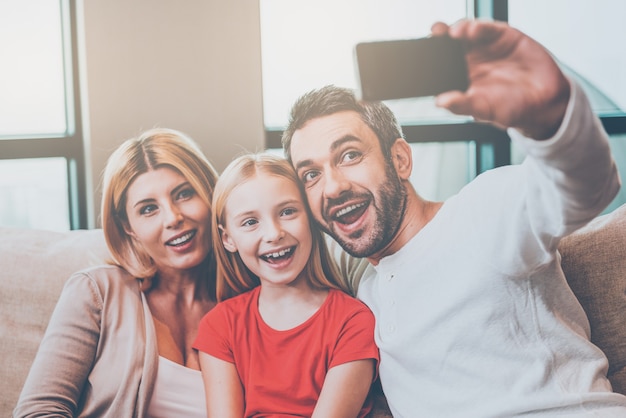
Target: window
{"points": [[583, 36], [41, 149], [308, 44]]}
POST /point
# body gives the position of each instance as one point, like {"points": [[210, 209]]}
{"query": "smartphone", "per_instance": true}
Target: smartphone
{"points": [[410, 67]]}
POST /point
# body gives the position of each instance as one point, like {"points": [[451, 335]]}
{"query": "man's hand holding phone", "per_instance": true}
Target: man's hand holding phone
{"points": [[513, 81]]}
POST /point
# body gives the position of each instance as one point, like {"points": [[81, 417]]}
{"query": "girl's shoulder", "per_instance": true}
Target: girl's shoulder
{"points": [[240, 302], [342, 301]]}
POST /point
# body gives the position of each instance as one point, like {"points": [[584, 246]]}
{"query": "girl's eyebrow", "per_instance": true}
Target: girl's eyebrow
{"points": [[280, 203], [289, 201], [243, 214]]}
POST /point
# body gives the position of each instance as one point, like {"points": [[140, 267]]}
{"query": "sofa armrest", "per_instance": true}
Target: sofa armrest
{"points": [[34, 265], [594, 262]]}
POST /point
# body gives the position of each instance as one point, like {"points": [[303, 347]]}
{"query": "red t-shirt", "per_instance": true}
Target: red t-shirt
{"points": [[282, 372]]}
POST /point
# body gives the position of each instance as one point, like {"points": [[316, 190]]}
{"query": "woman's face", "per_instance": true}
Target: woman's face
{"points": [[169, 220]]}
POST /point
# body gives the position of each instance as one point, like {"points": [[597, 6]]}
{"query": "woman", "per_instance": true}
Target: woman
{"points": [[119, 342]]}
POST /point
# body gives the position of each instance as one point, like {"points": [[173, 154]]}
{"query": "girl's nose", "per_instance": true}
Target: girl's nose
{"points": [[273, 232]]}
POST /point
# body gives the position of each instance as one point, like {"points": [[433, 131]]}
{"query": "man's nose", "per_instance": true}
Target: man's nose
{"points": [[335, 183]]}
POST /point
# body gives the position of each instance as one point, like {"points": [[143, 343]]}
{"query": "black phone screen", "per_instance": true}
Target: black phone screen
{"points": [[410, 67]]}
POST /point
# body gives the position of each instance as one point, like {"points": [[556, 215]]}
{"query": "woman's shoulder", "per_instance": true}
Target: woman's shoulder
{"points": [[105, 279]]}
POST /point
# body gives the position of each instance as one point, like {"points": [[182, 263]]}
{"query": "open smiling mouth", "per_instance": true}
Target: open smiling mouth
{"points": [[350, 214], [278, 256], [182, 240]]}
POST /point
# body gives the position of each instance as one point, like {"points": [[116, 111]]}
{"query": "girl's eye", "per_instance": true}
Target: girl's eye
{"points": [[147, 210], [249, 222], [288, 211]]}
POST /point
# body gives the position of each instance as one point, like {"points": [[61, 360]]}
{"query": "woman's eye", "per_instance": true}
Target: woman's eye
{"points": [[186, 194], [147, 210]]}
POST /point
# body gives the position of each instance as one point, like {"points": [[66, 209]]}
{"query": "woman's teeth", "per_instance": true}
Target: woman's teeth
{"points": [[181, 240]]}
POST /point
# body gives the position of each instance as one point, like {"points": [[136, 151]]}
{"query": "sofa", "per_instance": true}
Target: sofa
{"points": [[34, 265]]}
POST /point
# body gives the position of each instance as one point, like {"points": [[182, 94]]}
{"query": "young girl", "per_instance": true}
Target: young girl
{"points": [[285, 338]]}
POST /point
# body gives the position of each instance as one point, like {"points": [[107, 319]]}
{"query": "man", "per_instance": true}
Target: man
{"points": [[474, 317]]}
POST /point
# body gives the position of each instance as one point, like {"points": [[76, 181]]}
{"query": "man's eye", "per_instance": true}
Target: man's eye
{"points": [[350, 156], [310, 176]]}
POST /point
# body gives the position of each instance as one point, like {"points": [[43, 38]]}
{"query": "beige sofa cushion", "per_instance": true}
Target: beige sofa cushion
{"points": [[34, 264], [594, 261], [33, 268]]}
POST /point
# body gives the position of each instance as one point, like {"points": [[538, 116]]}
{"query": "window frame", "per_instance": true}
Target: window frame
{"points": [[70, 144], [492, 144]]}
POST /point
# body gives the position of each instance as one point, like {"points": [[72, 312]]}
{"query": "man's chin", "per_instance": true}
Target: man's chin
{"points": [[354, 243], [356, 246]]}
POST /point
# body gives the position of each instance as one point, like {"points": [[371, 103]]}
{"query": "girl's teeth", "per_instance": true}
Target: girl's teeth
{"points": [[278, 253]]}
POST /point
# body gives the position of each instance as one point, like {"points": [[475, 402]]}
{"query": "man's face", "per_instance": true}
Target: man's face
{"points": [[354, 193]]}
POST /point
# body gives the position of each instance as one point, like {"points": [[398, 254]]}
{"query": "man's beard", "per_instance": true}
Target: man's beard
{"points": [[389, 209]]}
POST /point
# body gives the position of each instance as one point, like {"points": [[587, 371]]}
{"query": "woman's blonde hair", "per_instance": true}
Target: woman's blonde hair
{"points": [[233, 277], [149, 151]]}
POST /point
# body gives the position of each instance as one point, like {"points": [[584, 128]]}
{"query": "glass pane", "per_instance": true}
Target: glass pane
{"points": [[308, 44], [440, 170], [584, 36], [32, 89], [33, 193]]}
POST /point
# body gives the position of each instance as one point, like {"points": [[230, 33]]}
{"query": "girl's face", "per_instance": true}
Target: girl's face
{"points": [[267, 223], [169, 220]]}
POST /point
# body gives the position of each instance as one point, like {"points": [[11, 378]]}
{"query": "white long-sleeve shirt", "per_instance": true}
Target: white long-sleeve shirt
{"points": [[474, 317]]}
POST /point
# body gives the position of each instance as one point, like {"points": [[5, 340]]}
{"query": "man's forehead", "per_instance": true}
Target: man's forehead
{"points": [[319, 135]]}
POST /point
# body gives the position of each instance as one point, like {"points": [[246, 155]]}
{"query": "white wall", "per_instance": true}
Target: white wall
{"points": [[192, 65]]}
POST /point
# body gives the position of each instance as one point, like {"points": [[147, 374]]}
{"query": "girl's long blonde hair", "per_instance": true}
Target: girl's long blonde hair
{"points": [[233, 277]]}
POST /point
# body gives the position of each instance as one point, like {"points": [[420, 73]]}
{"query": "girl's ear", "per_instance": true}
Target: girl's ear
{"points": [[228, 242]]}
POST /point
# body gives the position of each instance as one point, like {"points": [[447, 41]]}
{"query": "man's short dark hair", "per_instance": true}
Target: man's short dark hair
{"points": [[331, 99]]}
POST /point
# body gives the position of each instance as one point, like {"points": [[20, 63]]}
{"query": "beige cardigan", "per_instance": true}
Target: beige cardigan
{"points": [[99, 356]]}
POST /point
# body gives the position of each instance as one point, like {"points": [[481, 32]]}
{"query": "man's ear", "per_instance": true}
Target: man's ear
{"points": [[402, 158], [228, 242]]}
